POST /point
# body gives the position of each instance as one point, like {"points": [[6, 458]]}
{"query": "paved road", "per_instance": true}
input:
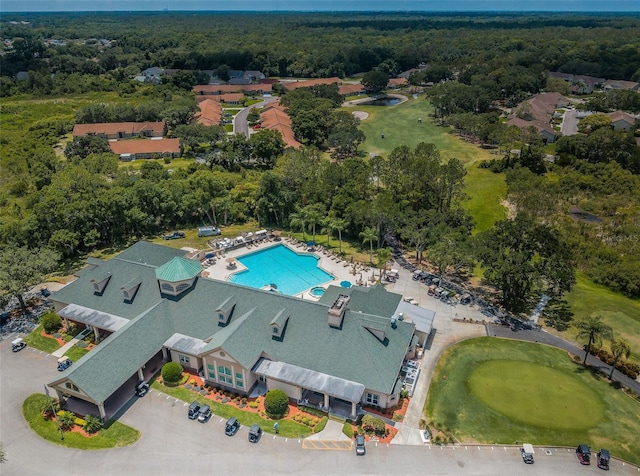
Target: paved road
{"points": [[240, 125], [173, 445], [570, 122], [546, 338]]}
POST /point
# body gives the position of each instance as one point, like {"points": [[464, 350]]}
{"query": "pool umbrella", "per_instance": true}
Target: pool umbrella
{"points": [[230, 260], [276, 233]]}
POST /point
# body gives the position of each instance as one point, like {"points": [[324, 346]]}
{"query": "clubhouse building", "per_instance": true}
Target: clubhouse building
{"points": [[150, 305]]}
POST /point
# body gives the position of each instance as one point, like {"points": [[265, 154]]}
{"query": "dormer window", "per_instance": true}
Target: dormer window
{"points": [[279, 324], [130, 289], [225, 310], [100, 283]]}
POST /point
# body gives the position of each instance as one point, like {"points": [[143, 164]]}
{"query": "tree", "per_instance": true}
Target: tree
{"points": [[22, 268], [621, 349], [524, 259], [93, 424], [558, 314], [594, 330], [314, 215], [594, 122], [276, 403], [171, 372], [266, 146], [299, 220], [384, 255], [339, 225], [84, 146], [369, 234], [375, 81], [51, 322]]}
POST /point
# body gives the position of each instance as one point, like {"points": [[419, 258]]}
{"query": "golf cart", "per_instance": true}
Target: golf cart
{"points": [[603, 459], [527, 453], [255, 432], [18, 344], [583, 452], [142, 388], [64, 363]]}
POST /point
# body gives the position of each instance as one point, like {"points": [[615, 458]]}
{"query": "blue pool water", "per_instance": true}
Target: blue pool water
{"points": [[291, 272]]}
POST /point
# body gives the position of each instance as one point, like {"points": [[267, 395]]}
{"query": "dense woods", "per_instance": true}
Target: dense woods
{"points": [[74, 196]]}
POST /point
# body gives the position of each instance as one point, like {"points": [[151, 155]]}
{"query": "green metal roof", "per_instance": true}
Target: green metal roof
{"points": [[178, 269]]}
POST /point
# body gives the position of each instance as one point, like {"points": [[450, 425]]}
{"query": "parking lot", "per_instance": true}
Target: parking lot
{"points": [[173, 444]]}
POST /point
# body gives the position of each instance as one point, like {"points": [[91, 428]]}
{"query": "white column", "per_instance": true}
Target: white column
{"points": [[96, 333], [140, 374], [353, 410], [103, 414], [326, 401], [164, 353]]}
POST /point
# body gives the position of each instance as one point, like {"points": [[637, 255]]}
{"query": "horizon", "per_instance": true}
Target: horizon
{"points": [[341, 6]]}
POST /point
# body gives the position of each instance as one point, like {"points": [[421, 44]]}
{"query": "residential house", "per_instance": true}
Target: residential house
{"points": [[622, 121], [210, 113], [539, 112], [290, 86], [275, 117], [254, 76], [396, 83], [610, 84], [121, 130], [351, 89], [150, 304], [133, 149]]}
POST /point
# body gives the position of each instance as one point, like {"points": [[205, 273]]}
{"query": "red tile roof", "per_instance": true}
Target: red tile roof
{"points": [[290, 86], [145, 146], [115, 128], [275, 117], [210, 113], [397, 82], [350, 89]]}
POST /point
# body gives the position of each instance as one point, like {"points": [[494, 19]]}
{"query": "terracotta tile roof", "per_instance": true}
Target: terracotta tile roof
{"points": [[349, 89], [274, 117], [395, 82], [115, 128], [210, 113], [311, 82], [217, 88], [145, 146]]}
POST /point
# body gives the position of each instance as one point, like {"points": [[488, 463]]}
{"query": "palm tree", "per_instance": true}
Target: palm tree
{"points": [[327, 226], [314, 215], [339, 225], [369, 234], [299, 220], [621, 349], [384, 255], [593, 329]]}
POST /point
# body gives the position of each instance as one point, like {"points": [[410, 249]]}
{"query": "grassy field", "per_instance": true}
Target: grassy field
{"points": [[482, 393], [114, 435], [618, 311], [287, 428], [45, 344], [400, 127]]}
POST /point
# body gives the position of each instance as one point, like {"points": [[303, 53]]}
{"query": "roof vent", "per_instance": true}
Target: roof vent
{"points": [[393, 322]]}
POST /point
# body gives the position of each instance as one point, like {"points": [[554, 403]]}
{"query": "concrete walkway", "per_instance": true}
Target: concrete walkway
{"points": [[333, 432], [61, 351]]}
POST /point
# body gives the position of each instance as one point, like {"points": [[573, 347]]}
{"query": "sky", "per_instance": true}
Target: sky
{"points": [[320, 5]]}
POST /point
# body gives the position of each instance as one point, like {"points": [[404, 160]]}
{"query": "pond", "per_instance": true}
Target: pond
{"points": [[383, 101]]}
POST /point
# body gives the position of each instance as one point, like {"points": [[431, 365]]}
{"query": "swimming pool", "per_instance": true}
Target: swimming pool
{"points": [[292, 273]]}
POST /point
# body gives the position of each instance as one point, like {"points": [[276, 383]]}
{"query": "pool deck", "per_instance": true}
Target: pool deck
{"points": [[341, 270]]}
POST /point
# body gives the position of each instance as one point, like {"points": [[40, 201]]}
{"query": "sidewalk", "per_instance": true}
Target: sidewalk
{"points": [[332, 431]]}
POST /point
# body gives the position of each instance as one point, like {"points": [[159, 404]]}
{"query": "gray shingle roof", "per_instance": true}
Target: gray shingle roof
{"points": [[351, 353]]}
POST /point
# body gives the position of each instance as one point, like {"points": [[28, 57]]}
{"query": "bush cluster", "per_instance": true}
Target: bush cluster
{"points": [[51, 322], [373, 424], [629, 369], [171, 372], [276, 403], [309, 421]]}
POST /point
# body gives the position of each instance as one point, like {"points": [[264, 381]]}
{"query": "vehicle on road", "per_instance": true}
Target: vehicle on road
{"points": [[142, 388], [232, 427], [583, 452], [204, 414], [194, 409], [527, 453], [255, 433], [603, 459], [18, 344], [361, 450], [174, 235], [64, 363]]}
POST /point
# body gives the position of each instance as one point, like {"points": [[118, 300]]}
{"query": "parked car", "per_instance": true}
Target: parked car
{"points": [[360, 448], [204, 414], [174, 235], [64, 363], [18, 344], [255, 433], [142, 388], [194, 409], [232, 427], [209, 231], [583, 452], [527, 453], [603, 459]]}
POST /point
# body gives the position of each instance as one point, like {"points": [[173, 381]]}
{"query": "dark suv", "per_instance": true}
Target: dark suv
{"points": [[603, 459], [194, 409], [360, 448], [232, 427], [174, 235], [584, 454]]}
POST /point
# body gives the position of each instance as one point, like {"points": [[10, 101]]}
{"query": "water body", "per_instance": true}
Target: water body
{"points": [[384, 101]]}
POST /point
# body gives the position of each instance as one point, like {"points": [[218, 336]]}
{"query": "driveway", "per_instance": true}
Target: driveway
{"points": [[570, 122], [240, 125]]}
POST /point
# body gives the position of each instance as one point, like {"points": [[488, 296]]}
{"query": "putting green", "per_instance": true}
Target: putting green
{"points": [[533, 394]]}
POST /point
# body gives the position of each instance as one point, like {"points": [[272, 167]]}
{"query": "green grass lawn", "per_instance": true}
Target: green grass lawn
{"points": [[400, 126], [617, 311], [492, 390], [115, 434], [287, 428], [75, 353], [45, 344]]}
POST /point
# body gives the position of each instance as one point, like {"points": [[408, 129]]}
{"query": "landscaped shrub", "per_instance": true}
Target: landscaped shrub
{"points": [[253, 404], [66, 419], [49, 407], [51, 322], [92, 424], [171, 372], [373, 424], [276, 403], [347, 429]]}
